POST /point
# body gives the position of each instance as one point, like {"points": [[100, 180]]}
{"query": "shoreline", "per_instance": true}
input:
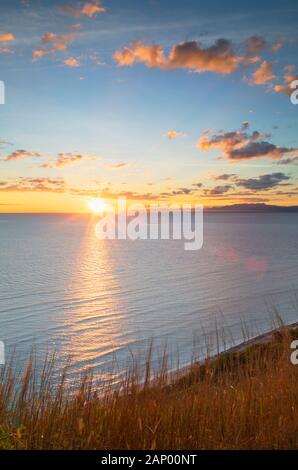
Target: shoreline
{"points": [[263, 338]]}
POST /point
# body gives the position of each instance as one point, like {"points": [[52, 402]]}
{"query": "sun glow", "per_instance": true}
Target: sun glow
{"points": [[97, 206]]}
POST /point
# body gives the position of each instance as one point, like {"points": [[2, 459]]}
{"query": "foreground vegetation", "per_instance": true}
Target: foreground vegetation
{"points": [[245, 399]]}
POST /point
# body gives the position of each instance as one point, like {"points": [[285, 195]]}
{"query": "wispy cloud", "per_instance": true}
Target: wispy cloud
{"points": [[52, 43], [175, 134], [116, 166], [33, 185], [288, 78], [278, 44], [20, 155], [72, 62], [89, 9], [65, 159]]}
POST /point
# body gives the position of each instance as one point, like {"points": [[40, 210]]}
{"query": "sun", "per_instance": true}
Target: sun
{"points": [[97, 206]]}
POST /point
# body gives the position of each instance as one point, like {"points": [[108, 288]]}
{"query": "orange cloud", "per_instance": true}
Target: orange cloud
{"points": [[263, 74], [218, 58], [37, 53], [175, 134], [33, 184], [58, 41], [52, 43], [285, 88], [6, 37], [89, 9], [72, 62], [20, 155], [64, 159], [116, 166]]}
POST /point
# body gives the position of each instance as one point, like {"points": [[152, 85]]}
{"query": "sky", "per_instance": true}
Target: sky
{"points": [[158, 101]]}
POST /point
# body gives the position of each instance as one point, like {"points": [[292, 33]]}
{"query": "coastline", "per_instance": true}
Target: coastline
{"points": [[262, 339]]}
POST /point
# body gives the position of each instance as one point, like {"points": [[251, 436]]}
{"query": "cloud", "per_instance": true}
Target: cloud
{"points": [[89, 9], [60, 41], [258, 149], [107, 193], [95, 59], [3, 143], [64, 159], [52, 43], [116, 166], [288, 161], [218, 190], [240, 145], [38, 53], [278, 45], [182, 191], [20, 155], [33, 185], [175, 134], [168, 179], [223, 177], [177, 192], [6, 37], [263, 182], [255, 44], [288, 78], [218, 58], [263, 74], [72, 62]]}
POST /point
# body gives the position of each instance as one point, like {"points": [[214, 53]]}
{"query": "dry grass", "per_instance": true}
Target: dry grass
{"points": [[240, 400]]}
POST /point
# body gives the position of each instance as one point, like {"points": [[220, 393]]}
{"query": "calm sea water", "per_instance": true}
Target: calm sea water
{"points": [[99, 302]]}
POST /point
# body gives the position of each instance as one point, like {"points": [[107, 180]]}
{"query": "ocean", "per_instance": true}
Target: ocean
{"points": [[100, 303]]}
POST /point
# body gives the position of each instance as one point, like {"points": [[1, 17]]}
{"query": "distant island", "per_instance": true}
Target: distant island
{"points": [[252, 208]]}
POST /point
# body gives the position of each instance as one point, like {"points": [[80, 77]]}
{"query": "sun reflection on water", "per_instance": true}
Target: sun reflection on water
{"points": [[93, 328]]}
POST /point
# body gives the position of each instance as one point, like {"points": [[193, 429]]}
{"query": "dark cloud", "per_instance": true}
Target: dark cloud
{"points": [[255, 44], [240, 145], [219, 58], [263, 182], [218, 190], [223, 177], [288, 161]]}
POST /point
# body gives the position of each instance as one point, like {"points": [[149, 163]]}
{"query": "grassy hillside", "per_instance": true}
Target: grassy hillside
{"points": [[244, 399]]}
